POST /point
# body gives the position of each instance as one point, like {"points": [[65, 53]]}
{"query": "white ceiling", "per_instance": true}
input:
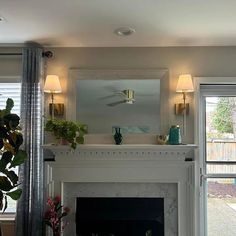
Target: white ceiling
{"points": [[91, 23]]}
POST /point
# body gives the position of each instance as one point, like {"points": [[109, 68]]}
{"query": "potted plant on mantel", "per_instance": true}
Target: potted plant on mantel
{"points": [[10, 153], [67, 131]]}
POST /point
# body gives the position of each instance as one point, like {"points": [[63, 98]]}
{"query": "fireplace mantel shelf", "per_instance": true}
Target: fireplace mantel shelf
{"points": [[126, 151]]}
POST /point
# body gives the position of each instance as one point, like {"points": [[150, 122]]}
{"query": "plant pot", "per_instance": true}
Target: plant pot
{"points": [[63, 141], [57, 234], [8, 228]]}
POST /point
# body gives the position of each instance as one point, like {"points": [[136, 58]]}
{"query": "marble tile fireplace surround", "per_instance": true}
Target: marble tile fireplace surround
{"points": [[142, 171]]}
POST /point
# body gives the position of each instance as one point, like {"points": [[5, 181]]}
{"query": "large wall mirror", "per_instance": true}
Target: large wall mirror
{"points": [[134, 100]]}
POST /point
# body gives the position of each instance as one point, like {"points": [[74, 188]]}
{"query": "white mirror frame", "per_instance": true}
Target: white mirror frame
{"points": [[119, 74]]}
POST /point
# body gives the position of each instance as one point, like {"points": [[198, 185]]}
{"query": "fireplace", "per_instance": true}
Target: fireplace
{"points": [[119, 216], [165, 191], [126, 171]]}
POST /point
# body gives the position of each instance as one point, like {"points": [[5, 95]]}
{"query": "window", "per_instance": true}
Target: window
{"points": [[11, 90], [219, 158]]}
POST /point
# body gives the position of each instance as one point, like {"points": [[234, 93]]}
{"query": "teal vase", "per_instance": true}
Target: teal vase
{"points": [[174, 135]]}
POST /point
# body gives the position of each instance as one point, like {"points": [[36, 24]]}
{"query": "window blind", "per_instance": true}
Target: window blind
{"points": [[13, 91]]}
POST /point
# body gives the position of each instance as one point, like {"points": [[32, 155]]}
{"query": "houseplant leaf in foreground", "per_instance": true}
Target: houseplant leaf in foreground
{"points": [[19, 158], [6, 158], [12, 176], [5, 184], [10, 154], [15, 195]]}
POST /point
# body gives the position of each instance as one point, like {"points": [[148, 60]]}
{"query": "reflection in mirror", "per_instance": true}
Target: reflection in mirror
{"points": [[132, 100], [133, 105]]}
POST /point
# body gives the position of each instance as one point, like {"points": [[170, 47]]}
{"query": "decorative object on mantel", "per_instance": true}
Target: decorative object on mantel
{"points": [[54, 214], [134, 138], [162, 139], [11, 154], [67, 131], [174, 135], [118, 136]]}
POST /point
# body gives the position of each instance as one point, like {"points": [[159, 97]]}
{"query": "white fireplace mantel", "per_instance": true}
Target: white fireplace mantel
{"points": [[124, 152], [127, 164]]}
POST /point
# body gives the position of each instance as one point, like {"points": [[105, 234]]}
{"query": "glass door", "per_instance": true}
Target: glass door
{"points": [[218, 169]]}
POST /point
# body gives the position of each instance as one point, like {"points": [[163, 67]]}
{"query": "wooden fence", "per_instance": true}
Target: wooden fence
{"points": [[221, 151]]}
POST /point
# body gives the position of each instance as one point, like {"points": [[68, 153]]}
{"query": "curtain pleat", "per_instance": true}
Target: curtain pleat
{"points": [[30, 205]]}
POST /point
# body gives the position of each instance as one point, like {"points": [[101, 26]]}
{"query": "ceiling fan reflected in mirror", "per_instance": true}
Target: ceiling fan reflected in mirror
{"points": [[128, 98]]}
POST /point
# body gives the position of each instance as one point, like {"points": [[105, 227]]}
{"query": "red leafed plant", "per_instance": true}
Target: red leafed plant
{"points": [[54, 214]]}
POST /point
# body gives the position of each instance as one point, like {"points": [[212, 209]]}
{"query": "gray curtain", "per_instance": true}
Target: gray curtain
{"points": [[30, 205]]}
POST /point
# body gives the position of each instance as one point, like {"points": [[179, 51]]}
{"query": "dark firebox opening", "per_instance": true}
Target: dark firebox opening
{"points": [[120, 217]]}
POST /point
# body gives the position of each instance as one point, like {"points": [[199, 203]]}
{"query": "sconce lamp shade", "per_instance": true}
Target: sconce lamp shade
{"points": [[52, 84], [185, 84]]}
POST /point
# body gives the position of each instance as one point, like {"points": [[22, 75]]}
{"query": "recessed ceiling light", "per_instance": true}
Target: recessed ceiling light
{"points": [[124, 31]]}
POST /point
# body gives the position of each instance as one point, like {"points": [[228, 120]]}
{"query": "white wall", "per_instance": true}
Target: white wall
{"points": [[10, 65], [199, 61]]}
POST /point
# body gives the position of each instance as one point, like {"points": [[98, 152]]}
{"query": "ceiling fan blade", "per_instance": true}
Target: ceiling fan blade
{"points": [[107, 97], [111, 89], [144, 95], [112, 95], [116, 103]]}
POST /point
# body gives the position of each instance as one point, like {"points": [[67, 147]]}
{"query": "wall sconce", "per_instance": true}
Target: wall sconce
{"points": [[52, 85], [184, 85]]}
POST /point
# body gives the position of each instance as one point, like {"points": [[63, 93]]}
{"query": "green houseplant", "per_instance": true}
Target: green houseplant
{"points": [[10, 153], [72, 132]]}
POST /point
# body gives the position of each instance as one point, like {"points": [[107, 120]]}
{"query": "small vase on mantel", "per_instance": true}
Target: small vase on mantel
{"points": [[118, 136], [174, 135]]}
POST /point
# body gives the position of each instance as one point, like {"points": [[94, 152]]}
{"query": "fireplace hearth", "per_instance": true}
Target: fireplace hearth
{"points": [[107, 216]]}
